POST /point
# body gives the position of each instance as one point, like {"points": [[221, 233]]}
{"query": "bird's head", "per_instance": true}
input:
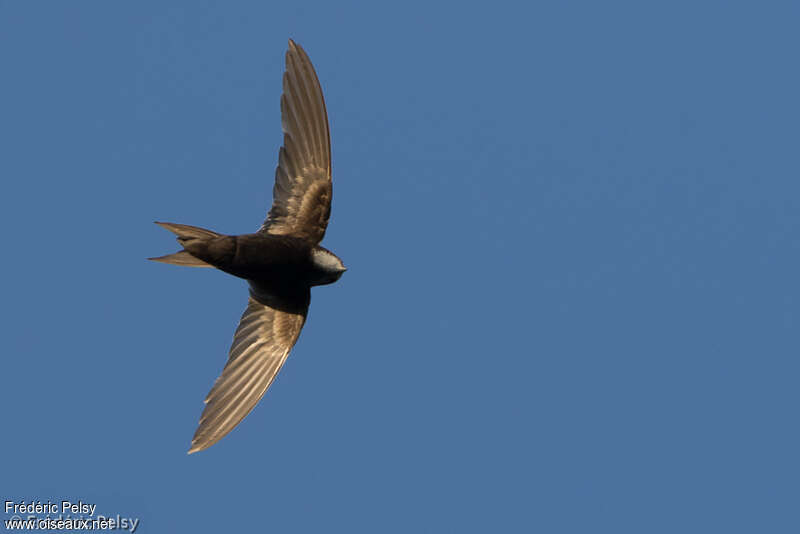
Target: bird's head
{"points": [[328, 266]]}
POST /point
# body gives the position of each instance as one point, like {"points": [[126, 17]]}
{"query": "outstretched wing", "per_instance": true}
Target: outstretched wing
{"points": [[262, 342], [301, 198]]}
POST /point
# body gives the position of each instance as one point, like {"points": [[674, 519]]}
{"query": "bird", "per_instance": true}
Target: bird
{"points": [[280, 262]]}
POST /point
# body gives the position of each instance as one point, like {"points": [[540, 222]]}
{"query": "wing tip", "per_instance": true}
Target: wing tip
{"points": [[197, 446], [296, 50]]}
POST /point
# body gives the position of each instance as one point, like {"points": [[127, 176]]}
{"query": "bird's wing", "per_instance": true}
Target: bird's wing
{"points": [[263, 339], [301, 198]]}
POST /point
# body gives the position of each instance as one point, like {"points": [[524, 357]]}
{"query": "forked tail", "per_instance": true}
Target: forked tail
{"points": [[186, 234]]}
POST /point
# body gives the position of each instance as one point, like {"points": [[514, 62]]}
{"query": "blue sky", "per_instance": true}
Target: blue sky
{"points": [[571, 229]]}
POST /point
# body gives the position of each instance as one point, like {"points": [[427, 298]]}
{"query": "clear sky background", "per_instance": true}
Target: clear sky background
{"points": [[572, 234]]}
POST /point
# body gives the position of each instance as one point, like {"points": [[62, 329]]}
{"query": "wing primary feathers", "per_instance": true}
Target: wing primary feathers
{"points": [[305, 104], [316, 104]]}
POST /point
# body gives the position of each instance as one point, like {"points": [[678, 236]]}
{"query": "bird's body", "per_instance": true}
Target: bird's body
{"points": [[264, 260], [281, 261]]}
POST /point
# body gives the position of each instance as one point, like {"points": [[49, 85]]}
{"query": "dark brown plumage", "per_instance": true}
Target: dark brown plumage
{"points": [[281, 261]]}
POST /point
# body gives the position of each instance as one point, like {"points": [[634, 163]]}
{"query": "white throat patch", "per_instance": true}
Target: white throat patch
{"points": [[326, 261]]}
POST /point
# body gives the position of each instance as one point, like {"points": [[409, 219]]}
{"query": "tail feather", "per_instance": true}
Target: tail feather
{"points": [[185, 233], [181, 258]]}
